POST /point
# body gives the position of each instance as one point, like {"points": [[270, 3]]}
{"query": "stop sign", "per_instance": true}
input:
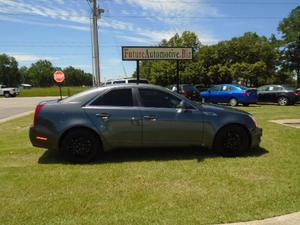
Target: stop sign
{"points": [[59, 76]]}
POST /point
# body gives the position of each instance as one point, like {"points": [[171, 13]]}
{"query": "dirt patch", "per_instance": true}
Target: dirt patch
{"points": [[295, 123]]}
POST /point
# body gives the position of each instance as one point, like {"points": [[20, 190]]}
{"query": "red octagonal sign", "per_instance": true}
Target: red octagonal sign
{"points": [[59, 76]]}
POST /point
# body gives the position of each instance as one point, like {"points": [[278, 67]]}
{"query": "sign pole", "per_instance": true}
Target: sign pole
{"points": [[137, 71], [177, 75], [60, 91]]}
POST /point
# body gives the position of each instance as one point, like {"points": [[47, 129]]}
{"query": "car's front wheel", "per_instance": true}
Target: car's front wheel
{"points": [[80, 146], [232, 140], [6, 95]]}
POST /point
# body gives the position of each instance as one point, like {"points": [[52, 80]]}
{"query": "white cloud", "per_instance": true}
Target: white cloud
{"points": [[21, 57]]}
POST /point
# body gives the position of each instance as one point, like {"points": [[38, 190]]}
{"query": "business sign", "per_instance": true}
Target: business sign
{"points": [[59, 76], [156, 53]]}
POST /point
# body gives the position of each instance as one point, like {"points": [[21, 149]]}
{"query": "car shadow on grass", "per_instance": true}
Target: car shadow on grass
{"points": [[147, 154]]}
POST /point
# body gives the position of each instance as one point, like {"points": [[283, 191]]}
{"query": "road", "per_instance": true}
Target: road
{"points": [[14, 107]]}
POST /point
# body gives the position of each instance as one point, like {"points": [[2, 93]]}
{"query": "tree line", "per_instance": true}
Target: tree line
{"points": [[39, 74], [250, 59]]}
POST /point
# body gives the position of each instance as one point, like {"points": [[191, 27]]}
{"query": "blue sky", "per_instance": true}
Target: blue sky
{"points": [[59, 30]]}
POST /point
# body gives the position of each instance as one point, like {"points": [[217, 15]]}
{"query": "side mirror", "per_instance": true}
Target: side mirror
{"points": [[182, 107]]}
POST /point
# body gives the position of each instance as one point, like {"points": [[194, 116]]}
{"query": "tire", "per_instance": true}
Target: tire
{"points": [[233, 102], [283, 101], [80, 146], [246, 104], [6, 95], [232, 140]]}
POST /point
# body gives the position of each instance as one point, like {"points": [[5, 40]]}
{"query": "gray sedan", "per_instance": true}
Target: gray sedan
{"points": [[138, 115]]}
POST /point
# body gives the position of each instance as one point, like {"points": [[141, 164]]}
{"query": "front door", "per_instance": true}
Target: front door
{"points": [[166, 125]]}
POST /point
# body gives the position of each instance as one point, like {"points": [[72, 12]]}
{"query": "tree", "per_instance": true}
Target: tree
{"points": [[9, 73], [290, 29], [41, 74], [77, 77]]}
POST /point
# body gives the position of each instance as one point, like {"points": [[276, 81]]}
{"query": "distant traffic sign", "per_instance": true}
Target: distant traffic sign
{"points": [[59, 76]]}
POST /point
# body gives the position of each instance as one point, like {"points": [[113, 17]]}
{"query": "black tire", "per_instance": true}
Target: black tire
{"points": [[246, 104], [283, 101], [6, 94], [80, 146], [233, 102], [232, 140]]}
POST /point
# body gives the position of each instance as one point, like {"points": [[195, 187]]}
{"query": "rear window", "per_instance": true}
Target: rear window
{"points": [[288, 88], [242, 87], [118, 97]]}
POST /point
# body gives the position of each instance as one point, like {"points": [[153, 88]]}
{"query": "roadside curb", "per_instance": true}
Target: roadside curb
{"points": [[15, 116], [289, 219]]}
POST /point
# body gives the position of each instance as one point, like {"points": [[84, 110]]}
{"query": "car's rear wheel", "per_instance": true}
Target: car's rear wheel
{"points": [[80, 146], [283, 100], [232, 140], [233, 102]]}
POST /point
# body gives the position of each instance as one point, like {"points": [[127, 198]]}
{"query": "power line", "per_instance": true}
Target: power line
{"points": [[196, 17]]}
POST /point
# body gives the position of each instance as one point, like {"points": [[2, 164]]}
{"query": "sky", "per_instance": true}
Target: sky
{"points": [[59, 30]]}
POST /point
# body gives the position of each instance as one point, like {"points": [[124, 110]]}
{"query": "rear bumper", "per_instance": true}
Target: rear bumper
{"points": [[42, 139], [256, 137]]}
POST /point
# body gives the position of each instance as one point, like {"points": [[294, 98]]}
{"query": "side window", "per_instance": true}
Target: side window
{"points": [[158, 99], [118, 97], [215, 88]]}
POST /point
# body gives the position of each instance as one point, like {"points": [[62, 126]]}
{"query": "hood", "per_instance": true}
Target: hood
{"points": [[218, 108]]}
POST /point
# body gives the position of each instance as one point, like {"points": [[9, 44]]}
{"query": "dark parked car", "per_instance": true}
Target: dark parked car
{"points": [[188, 90], [132, 115], [230, 93], [281, 94]]}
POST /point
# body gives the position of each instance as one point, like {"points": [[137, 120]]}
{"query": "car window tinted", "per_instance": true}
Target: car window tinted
{"points": [[119, 97], [119, 82], [189, 88], [215, 88], [158, 99], [140, 81]]}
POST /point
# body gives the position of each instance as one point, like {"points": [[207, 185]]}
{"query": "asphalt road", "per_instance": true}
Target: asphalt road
{"points": [[12, 107]]}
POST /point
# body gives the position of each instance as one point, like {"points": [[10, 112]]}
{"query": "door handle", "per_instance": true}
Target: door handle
{"points": [[151, 117], [104, 116]]}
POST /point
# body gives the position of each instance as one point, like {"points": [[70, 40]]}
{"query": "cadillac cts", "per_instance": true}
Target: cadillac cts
{"points": [[138, 115]]}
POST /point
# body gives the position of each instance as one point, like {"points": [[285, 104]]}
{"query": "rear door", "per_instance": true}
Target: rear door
{"points": [[116, 117], [164, 124]]}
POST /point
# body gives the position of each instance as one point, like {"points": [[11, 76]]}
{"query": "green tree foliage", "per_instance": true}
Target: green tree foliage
{"points": [[290, 29], [41, 74], [9, 73], [250, 58], [77, 77]]}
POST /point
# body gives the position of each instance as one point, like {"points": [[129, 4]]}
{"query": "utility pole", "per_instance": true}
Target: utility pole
{"points": [[96, 15]]}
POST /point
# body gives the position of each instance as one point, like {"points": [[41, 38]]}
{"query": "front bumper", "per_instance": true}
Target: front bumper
{"points": [[256, 137]]}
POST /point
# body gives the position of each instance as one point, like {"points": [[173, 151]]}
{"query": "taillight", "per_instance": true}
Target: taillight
{"points": [[184, 93], [38, 109], [246, 93], [296, 92]]}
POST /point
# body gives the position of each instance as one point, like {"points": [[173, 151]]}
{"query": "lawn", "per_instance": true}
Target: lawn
{"points": [[178, 187], [51, 91]]}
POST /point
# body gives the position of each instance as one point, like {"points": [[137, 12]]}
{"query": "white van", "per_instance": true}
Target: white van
{"points": [[126, 81]]}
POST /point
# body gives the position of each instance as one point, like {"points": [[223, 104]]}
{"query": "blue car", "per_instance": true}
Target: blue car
{"points": [[230, 93]]}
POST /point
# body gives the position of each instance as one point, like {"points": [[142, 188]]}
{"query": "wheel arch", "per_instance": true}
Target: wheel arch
{"points": [[78, 127], [232, 124]]}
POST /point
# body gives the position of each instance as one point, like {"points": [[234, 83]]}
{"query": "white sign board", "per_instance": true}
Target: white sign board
{"points": [[156, 53]]}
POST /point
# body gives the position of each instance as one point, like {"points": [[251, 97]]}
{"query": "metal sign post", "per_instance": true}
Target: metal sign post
{"points": [[137, 71]]}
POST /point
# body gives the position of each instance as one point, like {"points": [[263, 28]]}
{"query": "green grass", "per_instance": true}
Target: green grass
{"points": [[139, 187], [50, 91]]}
